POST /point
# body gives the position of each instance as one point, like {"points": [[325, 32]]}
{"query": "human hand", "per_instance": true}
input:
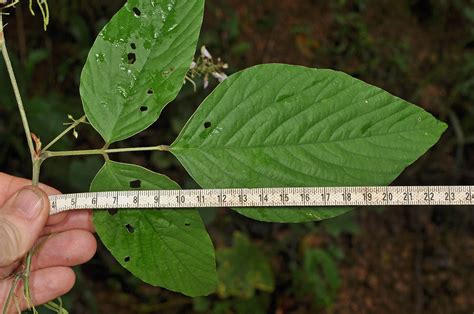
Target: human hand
{"points": [[63, 240]]}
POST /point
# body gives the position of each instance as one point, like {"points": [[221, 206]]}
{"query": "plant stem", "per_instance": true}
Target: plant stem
{"points": [[16, 90], [26, 279], [66, 131], [103, 151], [36, 160], [10, 295], [36, 171]]}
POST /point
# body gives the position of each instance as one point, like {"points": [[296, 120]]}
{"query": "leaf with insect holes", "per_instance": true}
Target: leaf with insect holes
{"points": [[138, 63], [278, 125], [166, 248]]}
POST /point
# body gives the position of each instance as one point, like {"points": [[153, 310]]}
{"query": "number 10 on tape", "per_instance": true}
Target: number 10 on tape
{"points": [[268, 197]]}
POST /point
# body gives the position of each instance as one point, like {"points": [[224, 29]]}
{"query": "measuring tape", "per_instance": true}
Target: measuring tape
{"points": [[268, 197]]}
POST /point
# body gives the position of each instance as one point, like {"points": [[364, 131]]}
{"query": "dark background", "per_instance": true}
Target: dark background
{"points": [[385, 260]]}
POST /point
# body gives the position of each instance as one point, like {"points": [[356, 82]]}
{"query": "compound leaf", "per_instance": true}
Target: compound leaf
{"points": [[138, 63], [166, 248], [278, 125]]}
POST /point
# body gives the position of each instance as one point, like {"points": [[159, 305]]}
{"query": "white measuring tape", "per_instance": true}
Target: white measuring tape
{"points": [[268, 197]]}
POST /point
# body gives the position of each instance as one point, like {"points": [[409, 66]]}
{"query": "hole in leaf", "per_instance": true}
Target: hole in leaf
{"points": [[150, 91], [130, 228], [136, 11], [127, 259], [207, 125], [132, 58], [133, 46], [112, 211], [187, 224], [143, 108], [135, 184]]}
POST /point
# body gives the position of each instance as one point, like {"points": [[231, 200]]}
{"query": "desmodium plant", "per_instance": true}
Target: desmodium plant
{"points": [[272, 125]]}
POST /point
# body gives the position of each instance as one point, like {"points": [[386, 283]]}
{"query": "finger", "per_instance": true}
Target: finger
{"points": [[45, 285], [55, 219], [22, 219], [10, 184], [68, 248], [81, 219]]}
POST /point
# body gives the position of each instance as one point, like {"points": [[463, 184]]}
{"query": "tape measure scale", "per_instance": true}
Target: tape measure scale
{"points": [[267, 197]]}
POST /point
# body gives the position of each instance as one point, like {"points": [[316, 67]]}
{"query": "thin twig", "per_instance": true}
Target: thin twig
{"points": [[26, 280], [103, 151], [16, 90], [11, 4], [66, 131], [10, 295], [36, 171], [34, 158]]}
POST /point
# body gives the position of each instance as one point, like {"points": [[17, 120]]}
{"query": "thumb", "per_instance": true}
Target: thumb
{"points": [[22, 218]]}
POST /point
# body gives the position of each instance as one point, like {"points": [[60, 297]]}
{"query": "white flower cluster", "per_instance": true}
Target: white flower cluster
{"points": [[205, 66]]}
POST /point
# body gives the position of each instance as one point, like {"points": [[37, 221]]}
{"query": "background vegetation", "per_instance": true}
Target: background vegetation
{"points": [[387, 260]]}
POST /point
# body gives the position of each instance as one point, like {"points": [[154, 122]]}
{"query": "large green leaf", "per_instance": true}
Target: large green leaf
{"points": [[243, 269], [138, 63], [279, 125], [166, 248]]}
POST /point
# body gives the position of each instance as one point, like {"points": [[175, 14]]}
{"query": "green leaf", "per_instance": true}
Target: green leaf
{"points": [[278, 125], [242, 269], [138, 63], [166, 248]]}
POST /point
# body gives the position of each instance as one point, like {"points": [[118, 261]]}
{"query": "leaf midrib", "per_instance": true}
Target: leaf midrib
{"points": [[201, 147]]}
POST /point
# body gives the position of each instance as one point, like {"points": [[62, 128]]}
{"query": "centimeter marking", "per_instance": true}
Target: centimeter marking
{"points": [[268, 197]]}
